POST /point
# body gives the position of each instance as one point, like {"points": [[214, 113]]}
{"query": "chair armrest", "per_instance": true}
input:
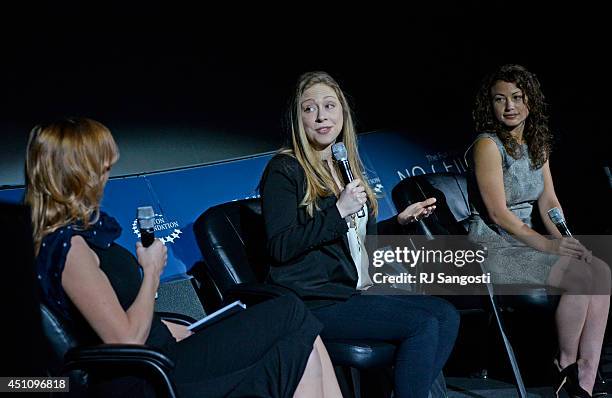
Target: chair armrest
{"points": [[122, 359], [254, 293], [180, 319], [118, 353]]}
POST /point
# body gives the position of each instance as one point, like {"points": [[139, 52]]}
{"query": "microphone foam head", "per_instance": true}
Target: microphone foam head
{"points": [[339, 151], [146, 217], [555, 215]]}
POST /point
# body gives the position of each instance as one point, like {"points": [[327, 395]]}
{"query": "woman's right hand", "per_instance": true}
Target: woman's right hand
{"points": [[567, 246], [152, 258], [352, 198]]}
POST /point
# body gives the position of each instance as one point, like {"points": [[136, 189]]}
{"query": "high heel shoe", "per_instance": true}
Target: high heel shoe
{"points": [[568, 380]]}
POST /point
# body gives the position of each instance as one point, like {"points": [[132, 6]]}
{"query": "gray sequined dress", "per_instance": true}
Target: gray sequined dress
{"points": [[509, 260]]}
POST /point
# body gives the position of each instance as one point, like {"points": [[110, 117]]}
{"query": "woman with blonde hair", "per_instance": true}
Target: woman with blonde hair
{"points": [[107, 295], [316, 240]]}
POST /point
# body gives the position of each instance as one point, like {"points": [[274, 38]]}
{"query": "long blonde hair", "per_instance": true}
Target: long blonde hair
{"points": [[319, 180], [65, 167]]}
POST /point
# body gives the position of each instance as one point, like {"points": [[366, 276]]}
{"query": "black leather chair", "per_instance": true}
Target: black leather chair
{"points": [[40, 344], [24, 351], [85, 363], [231, 237], [451, 217]]}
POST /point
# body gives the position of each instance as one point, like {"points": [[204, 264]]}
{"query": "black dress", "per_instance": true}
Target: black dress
{"points": [[261, 352]]}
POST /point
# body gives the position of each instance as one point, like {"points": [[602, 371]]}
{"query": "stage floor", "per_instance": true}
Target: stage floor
{"points": [[461, 387]]}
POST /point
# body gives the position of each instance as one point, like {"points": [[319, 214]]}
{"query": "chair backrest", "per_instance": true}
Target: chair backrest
{"points": [[24, 352], [59, 337], [232, 239], [452, 206], [40, 335]]}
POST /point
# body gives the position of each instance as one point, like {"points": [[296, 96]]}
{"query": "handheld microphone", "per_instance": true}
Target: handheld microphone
{"points": [[146, 224], [557, 218], [341, 157]]}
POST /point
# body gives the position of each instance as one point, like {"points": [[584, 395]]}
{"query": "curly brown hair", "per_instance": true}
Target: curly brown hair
{"points": [[536, 133]]}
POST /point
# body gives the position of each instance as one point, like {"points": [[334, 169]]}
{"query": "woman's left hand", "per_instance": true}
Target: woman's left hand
{"points": [[179, 332], [416, 211]]}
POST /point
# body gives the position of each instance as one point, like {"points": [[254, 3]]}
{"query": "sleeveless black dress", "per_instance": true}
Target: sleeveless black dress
{"points": [[260, 352]]}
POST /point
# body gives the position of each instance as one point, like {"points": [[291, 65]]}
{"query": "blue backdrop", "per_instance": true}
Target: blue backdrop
{"points": [[180, 196]]}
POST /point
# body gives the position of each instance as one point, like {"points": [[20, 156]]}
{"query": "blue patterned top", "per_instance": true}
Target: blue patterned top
{"points": [[54, 250]]}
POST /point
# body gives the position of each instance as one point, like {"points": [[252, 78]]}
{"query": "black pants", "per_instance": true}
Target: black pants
{"points": [[424, 327]]}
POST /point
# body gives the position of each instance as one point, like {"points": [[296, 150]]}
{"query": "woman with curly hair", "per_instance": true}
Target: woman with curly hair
{"points": [[510, 174]]}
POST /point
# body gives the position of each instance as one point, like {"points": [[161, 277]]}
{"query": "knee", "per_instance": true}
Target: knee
{"points": [[587, 277], [601, 275], [428, 332], [601, 268], [579, 277], [447, 315], [450, 329], [452, 317]]}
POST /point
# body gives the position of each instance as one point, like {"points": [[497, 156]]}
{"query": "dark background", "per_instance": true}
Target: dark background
{"points": [[180, 86]]}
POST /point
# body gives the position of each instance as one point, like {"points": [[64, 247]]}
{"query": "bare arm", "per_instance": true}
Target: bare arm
{"points": [[547, 201], [489, 177], [91, 292]]}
